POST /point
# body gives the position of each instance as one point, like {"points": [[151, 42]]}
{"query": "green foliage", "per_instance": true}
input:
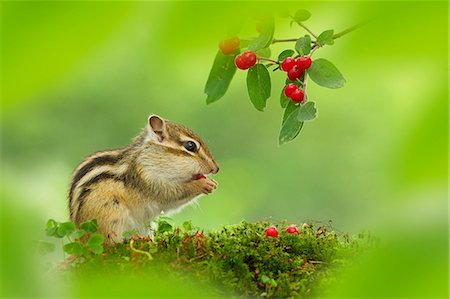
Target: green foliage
{"points": [[89, 226], [45, 247], [307, 112], [292, 125], [321, 71], [326, 38], [285, 54], [265, 52], [73, 248], [75, 244], [95, 243], [303, 45], [302, 15], [258, 85], [324, 73], [265, 37], [239, 258], [220, 76]]}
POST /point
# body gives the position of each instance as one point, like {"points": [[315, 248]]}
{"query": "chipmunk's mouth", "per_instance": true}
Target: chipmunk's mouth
{"points": [[199, 176]]}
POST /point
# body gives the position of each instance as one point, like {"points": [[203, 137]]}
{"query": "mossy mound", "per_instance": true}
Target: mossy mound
{"points": [[240, 259]]}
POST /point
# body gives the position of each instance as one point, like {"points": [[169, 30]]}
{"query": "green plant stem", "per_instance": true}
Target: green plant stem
{"points": [[274, 41], [149, 256], [348, 30], [307, 29], [268, 59]]}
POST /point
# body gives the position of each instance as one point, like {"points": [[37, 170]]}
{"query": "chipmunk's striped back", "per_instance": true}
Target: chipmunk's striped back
{"points": [[108, 164]]}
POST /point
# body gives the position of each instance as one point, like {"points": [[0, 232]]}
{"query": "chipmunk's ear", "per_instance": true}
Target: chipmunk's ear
{"points": [[156, 128]]}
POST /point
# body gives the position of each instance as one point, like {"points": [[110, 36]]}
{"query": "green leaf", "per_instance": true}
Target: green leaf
{"points": [[187, 225], [264, 52], [285, 54], [326, 38], [290, 128], [258, 85], [290, 106], [284, 100], [51, 228], [265, 37], [73, 248], [302, 15], [324, 73], [89, 226], [303, 45], [65, 228], [220, 76], [273, 283], [307, 112], [264, 278], [45, 247], [95, 243], [77, 234], [164, 226]]}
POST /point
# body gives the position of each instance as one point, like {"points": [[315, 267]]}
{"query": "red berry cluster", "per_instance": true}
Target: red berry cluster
{"points": [[245, 60], [272, 231], [295, 68]]}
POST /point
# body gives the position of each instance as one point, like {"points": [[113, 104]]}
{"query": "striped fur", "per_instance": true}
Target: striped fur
{"points": [[124, 188]]}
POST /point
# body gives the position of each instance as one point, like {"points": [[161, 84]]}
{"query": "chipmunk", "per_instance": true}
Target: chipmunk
{"points": [[164, 169]]}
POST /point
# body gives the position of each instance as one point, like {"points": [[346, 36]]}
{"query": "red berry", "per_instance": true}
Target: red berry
{"points": [[295, 73], [297, 95], [249, 57], [292, 229], [288, 64], [271, 231], [245, 60], [304, 62], [228, 46], [240, 62], [289, 89]]}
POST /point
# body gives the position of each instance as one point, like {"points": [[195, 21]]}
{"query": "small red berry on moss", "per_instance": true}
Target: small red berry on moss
{"points": [[271, 231], [228, 46], [297, 95], [295, 73], [304, 62], [292, 229], [288, 64], [289, 89]]}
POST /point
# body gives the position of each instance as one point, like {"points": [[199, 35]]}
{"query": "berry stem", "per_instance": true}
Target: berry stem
{"points": [[313, 50], [268, 59]]}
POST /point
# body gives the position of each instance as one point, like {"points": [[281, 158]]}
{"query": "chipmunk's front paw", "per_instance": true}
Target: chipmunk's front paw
{"points": [[206, 185]]}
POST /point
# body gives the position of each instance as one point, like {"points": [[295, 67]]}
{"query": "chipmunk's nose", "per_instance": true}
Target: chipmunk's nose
{"points": [[215, 169]]}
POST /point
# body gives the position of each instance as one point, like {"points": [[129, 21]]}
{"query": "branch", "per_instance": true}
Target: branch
{"points": [[350, 29], [284, 40], [307, 29]]}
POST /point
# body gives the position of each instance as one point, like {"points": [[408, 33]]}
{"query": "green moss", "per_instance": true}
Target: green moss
{"points": [[239, 258]]}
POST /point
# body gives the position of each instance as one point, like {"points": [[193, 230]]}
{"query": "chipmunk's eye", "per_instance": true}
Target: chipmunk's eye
{"points": [[190, 146]]}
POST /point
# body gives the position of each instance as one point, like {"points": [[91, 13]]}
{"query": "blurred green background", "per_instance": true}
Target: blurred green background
{"points": [[82, 76]]}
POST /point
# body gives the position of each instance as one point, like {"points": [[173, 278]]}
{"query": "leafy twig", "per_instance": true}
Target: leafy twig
{"points": [[348, 30]]}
